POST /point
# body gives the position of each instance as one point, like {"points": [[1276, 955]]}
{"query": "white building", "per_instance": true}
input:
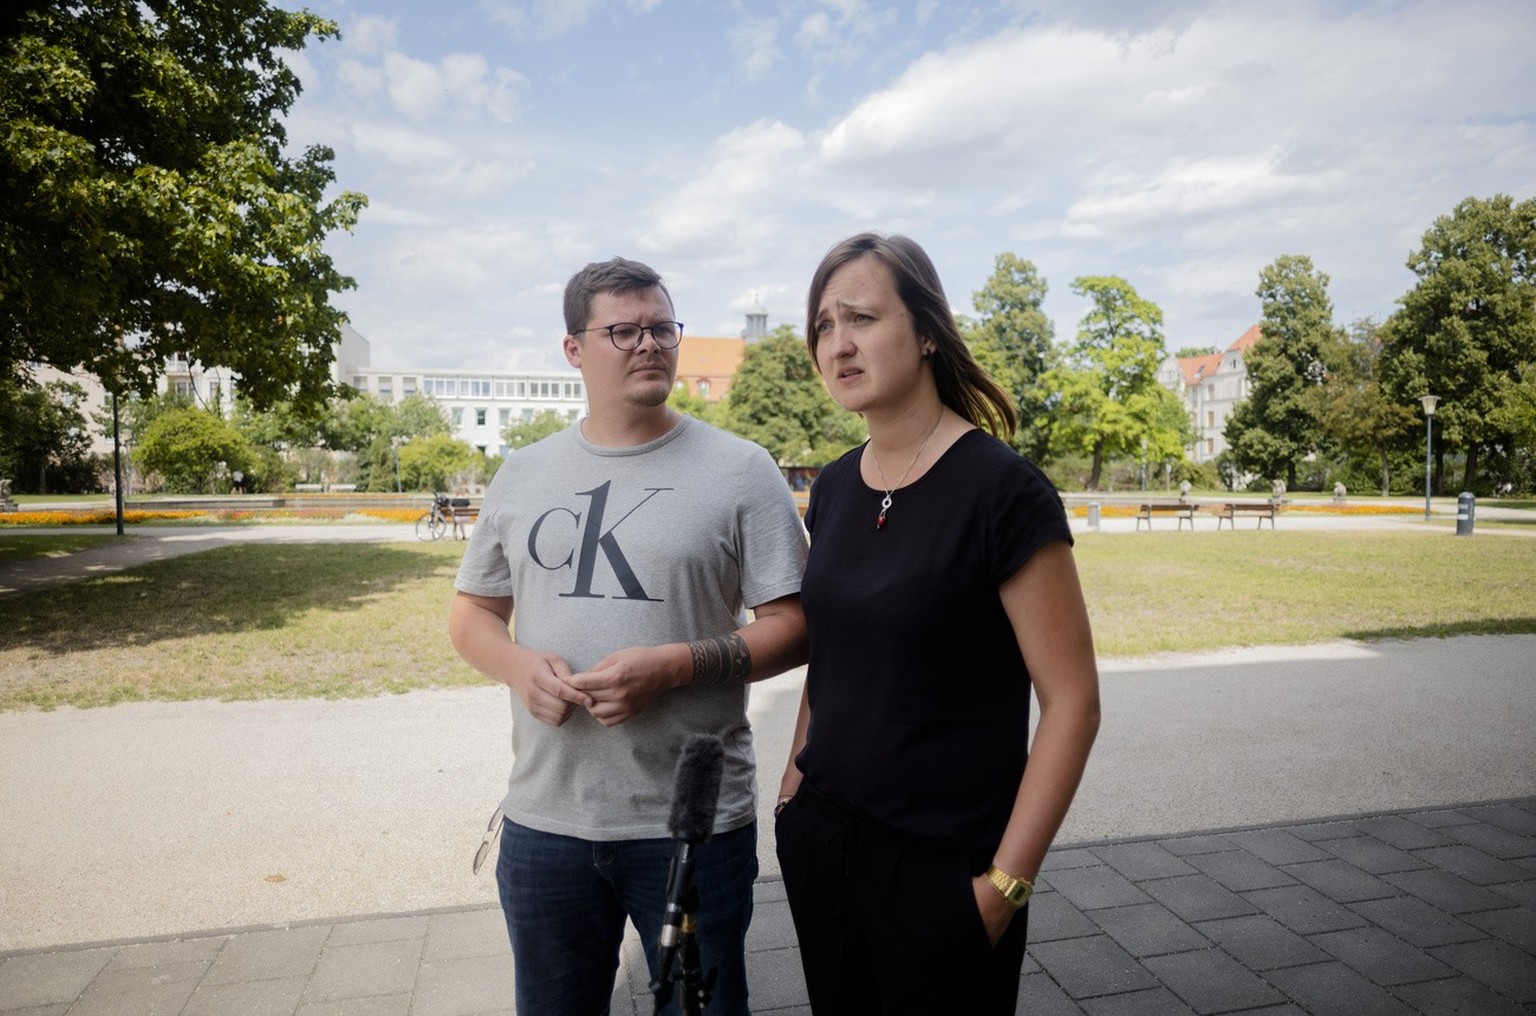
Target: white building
{"points": [[480, 404], [1209, 386]]}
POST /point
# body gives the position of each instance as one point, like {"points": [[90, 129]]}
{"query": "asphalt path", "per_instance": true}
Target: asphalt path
{"points": [[147, 819]]}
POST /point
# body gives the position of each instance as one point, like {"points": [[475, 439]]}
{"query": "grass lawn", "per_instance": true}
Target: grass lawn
{"points": [[28, 546], [306, 620]]}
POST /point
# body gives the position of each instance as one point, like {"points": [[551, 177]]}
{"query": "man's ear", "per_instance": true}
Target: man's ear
{"points": [[572, 347]]}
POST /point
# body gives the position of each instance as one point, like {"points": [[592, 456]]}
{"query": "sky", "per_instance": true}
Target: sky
{"points": [[1182, 146]]}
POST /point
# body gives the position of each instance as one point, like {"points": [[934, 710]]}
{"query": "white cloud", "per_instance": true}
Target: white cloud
{"points": [[463, 85], [754, 47], [542, 19], [370, 35]]}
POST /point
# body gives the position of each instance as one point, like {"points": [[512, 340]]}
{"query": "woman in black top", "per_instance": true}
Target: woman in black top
{"points": [[940, 587]]}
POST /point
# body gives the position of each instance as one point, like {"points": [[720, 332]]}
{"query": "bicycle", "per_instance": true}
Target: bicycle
{"points": [[434, 523]]}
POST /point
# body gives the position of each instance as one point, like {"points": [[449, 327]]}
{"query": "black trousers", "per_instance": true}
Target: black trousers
{"points": [[888, 924]]}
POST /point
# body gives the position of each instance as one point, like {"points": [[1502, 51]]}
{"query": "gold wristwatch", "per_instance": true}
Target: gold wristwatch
{"points": [[1015, 890]]}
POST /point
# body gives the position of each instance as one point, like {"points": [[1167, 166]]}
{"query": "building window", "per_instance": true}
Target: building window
{"points": [[506, 417], [703, 387], [410, 386], [1210, 417], [458, 417], [479, 418], [1210, 446], [527, 415], [522, 389]]}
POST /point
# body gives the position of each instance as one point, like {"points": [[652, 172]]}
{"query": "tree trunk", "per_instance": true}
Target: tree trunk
{"points": [[1386, 472], [1469, 475], [1098, 466]]}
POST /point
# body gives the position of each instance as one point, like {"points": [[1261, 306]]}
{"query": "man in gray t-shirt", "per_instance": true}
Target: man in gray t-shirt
{"points": [[625, 552]]}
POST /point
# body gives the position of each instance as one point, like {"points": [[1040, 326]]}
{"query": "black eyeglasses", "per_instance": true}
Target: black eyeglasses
{"points": [[626, 335]]}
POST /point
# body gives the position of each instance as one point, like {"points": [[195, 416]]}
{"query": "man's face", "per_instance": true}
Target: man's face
{"points": [[641, 377]]}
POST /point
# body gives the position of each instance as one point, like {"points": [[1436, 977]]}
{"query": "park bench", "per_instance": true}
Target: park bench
{"points": [[1183, 509], [462, 513], [1261, 509]]}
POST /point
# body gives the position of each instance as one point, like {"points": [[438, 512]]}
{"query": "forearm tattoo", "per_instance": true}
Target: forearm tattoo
{"points": [[720, 659]]}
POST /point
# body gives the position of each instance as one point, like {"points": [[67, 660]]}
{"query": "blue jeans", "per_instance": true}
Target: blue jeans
{"points": [[566, 900]]}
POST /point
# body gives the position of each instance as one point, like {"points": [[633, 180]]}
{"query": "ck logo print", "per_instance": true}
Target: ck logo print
{"points": [[581, 536]]}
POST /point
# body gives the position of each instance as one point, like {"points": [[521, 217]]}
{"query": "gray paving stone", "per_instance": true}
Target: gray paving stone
{"points": [[1448, 892], [1148, 930], [1314, 831], [1277, 846], [1197, 898], [1341, 881], [1403, 833], [1052, 917], [1510, 816], [1457, 996], [49, 978], [1473, 865], [1517, 926], [263, 955], [775, 981], [1101, 886], [461, 987], [1304, 910], [134, 999], [388, 929], [140, 979], [1041, 996], [38, 1010], [1372, 855], [1416, 922], [767, 890], [1183, 846], [1138, 1003], [278, 997], [1210, 981], [466, 933], [1140, 861], [1332, 989], [371, 968], [772, 928], [1495, 842], [1502, 967], [1240, 871], [1259, 942], [376, 1005], [1085, 967], [1078, 857], [1382, 957], [154, 954], [1441, 819], [1523, 893]]}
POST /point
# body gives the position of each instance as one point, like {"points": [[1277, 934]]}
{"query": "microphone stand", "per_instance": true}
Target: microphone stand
{"points": [[693, 986]]}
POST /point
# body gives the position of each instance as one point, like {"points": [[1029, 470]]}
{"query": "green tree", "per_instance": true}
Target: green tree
{"points": [[1276, 427], [1013, 342], [437, 462], [521, 435], [1107, 402], [1359, 423], [777, 399], [1467, 331], [687, 402], [44, 438], [194, 451], [369, 429], [150, 207]]}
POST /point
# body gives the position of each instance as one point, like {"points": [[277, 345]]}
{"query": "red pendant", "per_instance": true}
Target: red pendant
{"points": [[880, 522]]}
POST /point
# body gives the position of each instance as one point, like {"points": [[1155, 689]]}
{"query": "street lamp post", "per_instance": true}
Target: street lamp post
{"points": [[1430, 402]]}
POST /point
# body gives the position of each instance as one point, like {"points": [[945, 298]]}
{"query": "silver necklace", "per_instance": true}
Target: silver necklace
{"points": [[885, 503]]}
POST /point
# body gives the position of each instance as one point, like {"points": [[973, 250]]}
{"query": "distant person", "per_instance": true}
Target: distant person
{"points": [[940, 586], [626, 550]]}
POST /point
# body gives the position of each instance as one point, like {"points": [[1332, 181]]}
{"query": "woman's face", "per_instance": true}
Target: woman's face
{"points": [[867, 348]]}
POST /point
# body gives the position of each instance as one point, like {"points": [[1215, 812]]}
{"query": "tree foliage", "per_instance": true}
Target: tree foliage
{"points": [[1013, 341], [194, 451], [1467, 332], [1272, 430], [777, 399], [45, 443], [1108, 402], [151, 208], [521, 435], [1359, 423]]}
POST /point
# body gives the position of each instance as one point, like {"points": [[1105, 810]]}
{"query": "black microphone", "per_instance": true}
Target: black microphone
{"points": [[695, 796]]}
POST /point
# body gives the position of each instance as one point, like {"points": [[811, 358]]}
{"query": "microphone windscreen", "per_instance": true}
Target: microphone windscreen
{"points": [[697, 791]]}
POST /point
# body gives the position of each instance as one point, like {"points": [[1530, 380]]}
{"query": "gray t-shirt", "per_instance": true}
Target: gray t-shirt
{"points": [[602, 549]]}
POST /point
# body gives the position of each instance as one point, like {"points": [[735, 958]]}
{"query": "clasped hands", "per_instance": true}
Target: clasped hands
{"points": [[618, 687]]}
